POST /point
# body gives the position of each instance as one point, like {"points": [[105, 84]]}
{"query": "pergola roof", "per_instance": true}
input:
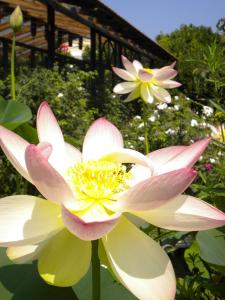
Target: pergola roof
{"points": [[76, 17]]}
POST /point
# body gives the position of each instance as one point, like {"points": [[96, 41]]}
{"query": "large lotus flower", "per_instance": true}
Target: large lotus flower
{"points": [[145, 83], [88, 193], [218, 133]]}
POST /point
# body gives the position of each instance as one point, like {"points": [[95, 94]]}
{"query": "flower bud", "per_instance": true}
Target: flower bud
{"points": [[16, 19]]}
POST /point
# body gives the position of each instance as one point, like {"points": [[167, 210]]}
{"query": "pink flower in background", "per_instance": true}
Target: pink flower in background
{"points": [[208, 167], [87, 194], [145, 83]]}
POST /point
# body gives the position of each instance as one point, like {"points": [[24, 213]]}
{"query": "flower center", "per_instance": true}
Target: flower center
{"points": [[98, 179]]}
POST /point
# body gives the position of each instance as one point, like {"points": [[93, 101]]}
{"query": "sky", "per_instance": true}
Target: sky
{"points": [[154, 17]]}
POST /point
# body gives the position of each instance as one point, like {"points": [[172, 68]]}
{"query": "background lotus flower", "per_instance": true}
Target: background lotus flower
{"points": [[145, 83], [87, 194], [218, 133]]}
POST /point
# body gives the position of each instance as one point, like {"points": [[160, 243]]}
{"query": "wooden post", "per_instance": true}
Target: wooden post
{"points": [[51, 36]]}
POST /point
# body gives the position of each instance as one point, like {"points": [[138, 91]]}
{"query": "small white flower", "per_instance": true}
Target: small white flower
{"points": [[200, 158], [141, 138], [176, 107], [187, 98], [203, 124], [208, 111], [194, 123], [71, 66], [162, 106], [141, 125], [212, 160], [152, 118], [137, 118], [220, 153], [170, 131], [176, 97], [192, 141], [60, 95]]}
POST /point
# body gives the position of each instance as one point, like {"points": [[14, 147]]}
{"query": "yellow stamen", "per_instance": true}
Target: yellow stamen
{"points": [[98, 180]]}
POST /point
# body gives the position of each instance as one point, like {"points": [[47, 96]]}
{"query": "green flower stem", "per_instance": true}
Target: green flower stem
{"points": [[96, 285], [13, 92], [222, 133], [145, 119]]}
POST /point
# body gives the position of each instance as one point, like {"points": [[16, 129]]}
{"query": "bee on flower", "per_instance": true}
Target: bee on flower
{"points": [[145, 83]]}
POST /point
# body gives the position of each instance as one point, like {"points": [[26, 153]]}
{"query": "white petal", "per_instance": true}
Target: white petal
{"points": [[101, 138], [165, 74], [185, 213], [127, 156], [14, 148], [168, 84], [146, 93], [138, 66], [73, 155], [160, 93], [140, 263], [125, 87], [26, 253], [27, 220]]}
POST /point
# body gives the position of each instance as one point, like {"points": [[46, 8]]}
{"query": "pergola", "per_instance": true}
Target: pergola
{"points": [[48, 23]]}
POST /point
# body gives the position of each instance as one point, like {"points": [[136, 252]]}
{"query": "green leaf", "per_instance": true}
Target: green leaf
{"points": [[217, 106], [193, 260], [13, 113], [212, 246], [28, 132], [22, 282]]}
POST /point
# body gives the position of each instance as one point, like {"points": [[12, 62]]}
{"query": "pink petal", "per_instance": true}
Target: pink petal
{"points": [[165, 74], [168, 84], [138, 66], [127, 156], [46, 179], [14, 148], [49, 131], [101, 138], [145, 76], [88, 230], [139, 173], [185, 213], [185, 157], [156, 190], [129, 66], [123, 74]]}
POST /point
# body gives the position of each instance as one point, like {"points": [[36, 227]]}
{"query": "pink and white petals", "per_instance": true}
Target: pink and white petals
{"points": [[165, 74], [160, 93], [156, 191], [145, 76], [49, 131], [185, 213], [14, 148], [64, 260], [89, 229], [124, 74], [102, 137], [139, 263], [125, 87], [26, 253], [46, 179], [186, 156], [27, 220], [169, 84], [129, 66]]}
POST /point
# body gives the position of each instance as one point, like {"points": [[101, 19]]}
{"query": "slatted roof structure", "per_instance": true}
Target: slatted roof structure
{"points": [[49, 23]]}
